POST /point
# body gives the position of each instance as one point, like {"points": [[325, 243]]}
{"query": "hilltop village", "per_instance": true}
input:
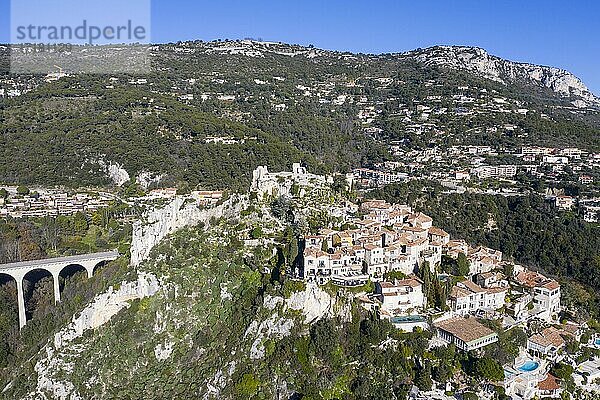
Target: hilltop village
{"points": [[401, 266]]}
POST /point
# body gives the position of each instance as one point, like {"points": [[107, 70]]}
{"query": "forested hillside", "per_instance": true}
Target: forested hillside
{"points": [[209, 113]]}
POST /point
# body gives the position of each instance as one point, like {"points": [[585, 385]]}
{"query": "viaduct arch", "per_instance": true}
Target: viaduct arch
{"points": [[54, 266]]}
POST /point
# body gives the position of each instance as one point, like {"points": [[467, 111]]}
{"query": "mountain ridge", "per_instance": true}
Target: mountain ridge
{"points": [[477, 59], [560, 81]]}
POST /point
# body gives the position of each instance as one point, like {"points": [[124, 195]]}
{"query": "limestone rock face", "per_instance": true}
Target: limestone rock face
{"points": [[313, 302], [116, 172], [145, 179], [477, 60], [105, 306], [96, 314], [273, 327], [182, 211]]}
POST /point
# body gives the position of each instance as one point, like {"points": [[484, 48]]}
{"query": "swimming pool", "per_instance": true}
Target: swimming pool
{"points": [[408, 318], [597, 342], [529, 366]]}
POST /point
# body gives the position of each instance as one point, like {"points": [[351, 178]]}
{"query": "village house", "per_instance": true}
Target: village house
{"points": [[491, 280], [454, 247], [389, 237], [163, 193], [546, 343], [438, 235], [401, 296], [518, 307], [550, 388], [495, 171], [564, 202], [465, 333], [207, 197], [462, 176], [483, 259], [545, 293], [467, 298]]}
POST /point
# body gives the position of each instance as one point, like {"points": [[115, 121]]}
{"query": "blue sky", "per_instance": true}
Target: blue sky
{"points": [[558, 33]]}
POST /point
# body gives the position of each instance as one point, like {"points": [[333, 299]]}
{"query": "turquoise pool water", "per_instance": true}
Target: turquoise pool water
{"points": [[529, 366], [597, 342], [408, 318]]}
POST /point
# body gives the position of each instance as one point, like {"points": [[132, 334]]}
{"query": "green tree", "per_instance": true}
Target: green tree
{"points": [[489, 369], [423, 378], [256, 233], [80, 223], [22, 190], [340, 185], [247, 387], [324, 246], [462, 265]]}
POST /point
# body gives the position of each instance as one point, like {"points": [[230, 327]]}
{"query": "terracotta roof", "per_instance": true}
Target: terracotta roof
{"points": [[402, 241], [496, 290], [466, 329], [413, 229], [458, 292], [367, 222], [312, 252], [438, 231], [473, 287], [418, 242], [533, 279], [551, 285], [550, 383], [421, 217], [549, 337], [409, 282], [570, 328]]}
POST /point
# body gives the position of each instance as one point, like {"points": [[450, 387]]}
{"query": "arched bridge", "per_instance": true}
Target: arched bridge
{"points": [[54, 266]]}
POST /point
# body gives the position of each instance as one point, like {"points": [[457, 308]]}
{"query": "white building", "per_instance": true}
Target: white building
{"points": [[401, 297], [564, 202], [468, 297], [466, 333], [545, 293], [495, 171]]}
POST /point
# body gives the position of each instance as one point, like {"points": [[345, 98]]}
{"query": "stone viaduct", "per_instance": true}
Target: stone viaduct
{"points": [[54, 266]]}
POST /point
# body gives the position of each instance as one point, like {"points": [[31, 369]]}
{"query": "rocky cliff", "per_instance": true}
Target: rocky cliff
{"points": [[180, 212], [477, 60]]}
